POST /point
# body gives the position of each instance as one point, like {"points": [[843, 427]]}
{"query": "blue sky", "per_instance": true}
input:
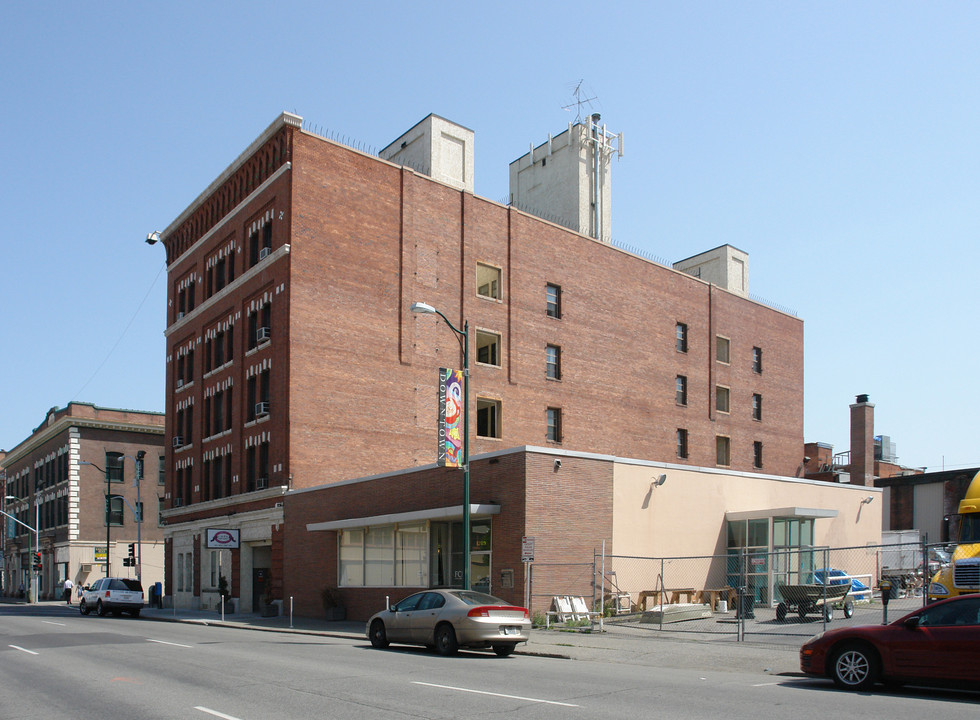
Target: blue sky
{"points": [[835, 142]]}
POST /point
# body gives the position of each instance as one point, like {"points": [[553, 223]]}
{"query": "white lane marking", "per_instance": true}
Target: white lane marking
{"points": [[765, 684], [164, 642], [215, 713], [18, 647], [483, 692], [48, 622]]}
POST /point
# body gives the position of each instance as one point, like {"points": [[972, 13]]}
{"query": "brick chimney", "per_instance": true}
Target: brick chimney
{"points": [[862, 441]]}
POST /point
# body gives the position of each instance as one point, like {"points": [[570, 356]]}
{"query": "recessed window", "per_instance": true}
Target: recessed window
{"points": [[722, 399], [757, 454], [757, 360], [260, 243], [114, 510], [553, 300], [723, 349], [553, 362], [553, 417], [487, 281], [114, 467], [681, 332], [723, 450], [487, 418], [681, 391], [681, 443], [757, 407], [487, 348]]}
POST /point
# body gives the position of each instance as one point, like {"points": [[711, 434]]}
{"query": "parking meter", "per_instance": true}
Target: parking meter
{"points": [[886, 593]]}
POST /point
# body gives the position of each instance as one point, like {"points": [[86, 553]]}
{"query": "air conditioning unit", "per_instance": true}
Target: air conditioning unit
{"points": [[262, 483], [263, 333], [178, 502], [261, 409], [180, 383], [180, 314], [178, 441], [264, 253]]}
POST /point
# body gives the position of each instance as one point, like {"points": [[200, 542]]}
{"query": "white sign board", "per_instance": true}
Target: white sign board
{"points": [[223, 538], [527, 549]]}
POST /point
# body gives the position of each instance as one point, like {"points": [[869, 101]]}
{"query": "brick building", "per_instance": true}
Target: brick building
{"points": [[56, 482], [293, 360]]}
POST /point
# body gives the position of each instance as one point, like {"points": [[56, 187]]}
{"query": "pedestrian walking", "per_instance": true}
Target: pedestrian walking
{"points": [[69, 586]]}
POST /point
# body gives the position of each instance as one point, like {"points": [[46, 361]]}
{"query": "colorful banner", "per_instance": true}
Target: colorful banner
{"points": [[450, 453]]}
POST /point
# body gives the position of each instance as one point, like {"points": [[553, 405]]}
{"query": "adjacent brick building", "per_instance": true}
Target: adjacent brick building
{"points": [[293, 360], [56, 481]]}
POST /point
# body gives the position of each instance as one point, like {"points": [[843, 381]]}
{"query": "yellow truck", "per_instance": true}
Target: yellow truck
{"points": [[962, 575]]}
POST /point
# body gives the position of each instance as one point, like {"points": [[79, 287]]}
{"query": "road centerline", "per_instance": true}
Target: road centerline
{"points": [[164, 642], [494, 694]]}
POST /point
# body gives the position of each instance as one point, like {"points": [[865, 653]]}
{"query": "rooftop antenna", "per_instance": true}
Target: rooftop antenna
{"points": [[580, 101]]}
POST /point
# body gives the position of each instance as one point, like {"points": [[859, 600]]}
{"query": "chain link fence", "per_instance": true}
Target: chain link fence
{"points": [[781, 596]]}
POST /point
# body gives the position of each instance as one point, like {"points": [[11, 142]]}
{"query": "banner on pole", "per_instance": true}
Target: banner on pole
{"points": [[450, 452]]}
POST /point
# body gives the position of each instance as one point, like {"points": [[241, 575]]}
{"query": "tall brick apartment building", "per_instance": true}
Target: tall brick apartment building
{"points": [[56, 482], [293, 360]]}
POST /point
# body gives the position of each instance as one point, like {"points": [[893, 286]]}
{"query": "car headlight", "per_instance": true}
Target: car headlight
{"points": [[937, 589]]}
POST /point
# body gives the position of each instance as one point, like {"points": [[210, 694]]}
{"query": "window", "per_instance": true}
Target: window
{"points": [[487, 418], [681, 443], [681, 392], [553, 362], [757, 360], [259, 244], [259, 326], [114, 509], [681, 333], [554, 424], [757, 454], [756, 406], [386, 555], [162, 470], [723, 450], [722, 399], [553, 300], [723, 349], [487, 348], [114, 467], [487, 281]]}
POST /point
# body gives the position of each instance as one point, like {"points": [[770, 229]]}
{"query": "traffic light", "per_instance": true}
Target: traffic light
{"points": [[129, 562], [132, 550], [37, 562], [139, 464]]}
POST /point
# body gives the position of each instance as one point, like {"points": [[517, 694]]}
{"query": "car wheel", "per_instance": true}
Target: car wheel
{"points": [[83, 608], [854, 667], [379, 638], [504, 650], [446, 640], [100, 608], [828, 612], [781, 612], [848, 608]]}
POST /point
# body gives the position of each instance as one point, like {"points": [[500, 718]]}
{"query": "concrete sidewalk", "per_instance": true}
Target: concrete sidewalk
{"points": [[709, 653]]}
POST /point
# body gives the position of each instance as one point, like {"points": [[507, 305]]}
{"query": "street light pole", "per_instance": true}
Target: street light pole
{"points": [[463, 337], [32, 576]]}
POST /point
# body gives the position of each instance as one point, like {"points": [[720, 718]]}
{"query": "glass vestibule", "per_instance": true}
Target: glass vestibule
{"points": [[760, 565]]}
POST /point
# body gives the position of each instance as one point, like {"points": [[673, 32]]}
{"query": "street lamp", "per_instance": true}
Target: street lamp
{"points": [[37, 541], [463, 337]]}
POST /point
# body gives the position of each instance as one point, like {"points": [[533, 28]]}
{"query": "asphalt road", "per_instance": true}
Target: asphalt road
{"points": [[57, 664]]}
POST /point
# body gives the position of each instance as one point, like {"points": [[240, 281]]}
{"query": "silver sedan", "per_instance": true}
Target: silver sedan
{"points": [[450, 619]]}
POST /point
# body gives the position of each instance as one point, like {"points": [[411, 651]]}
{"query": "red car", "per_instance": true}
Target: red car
{"points": [[935, 645]]}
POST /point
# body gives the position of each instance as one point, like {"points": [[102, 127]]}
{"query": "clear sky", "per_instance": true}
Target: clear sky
{"points": [[835, 142]]}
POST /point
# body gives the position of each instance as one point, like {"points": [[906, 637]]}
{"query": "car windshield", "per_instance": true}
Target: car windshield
{"points": [[477, 598]]}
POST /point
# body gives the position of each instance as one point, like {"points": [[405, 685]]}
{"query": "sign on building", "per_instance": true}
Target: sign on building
{"points": [[450, 452], [223, 538]]}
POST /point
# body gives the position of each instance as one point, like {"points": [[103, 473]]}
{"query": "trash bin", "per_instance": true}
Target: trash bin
{"points": [[158, 593], [745, 607]]}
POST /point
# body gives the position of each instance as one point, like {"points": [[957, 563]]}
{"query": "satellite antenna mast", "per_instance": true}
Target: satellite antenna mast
{"points": [[579, 102]]}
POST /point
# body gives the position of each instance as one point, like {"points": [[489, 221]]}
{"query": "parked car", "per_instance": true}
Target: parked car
{"points": [[115, 595], [450, 619], [934, 645]]}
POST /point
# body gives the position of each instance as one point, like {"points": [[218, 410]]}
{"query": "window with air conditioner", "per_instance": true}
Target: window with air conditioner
{"points": [[262, 483], [178, 441], [263, 334], [264, 253], [262, 408]]}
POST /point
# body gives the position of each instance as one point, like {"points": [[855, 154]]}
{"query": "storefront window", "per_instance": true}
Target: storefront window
{"points": [[352, 557], [379, 556], [412, 564]]}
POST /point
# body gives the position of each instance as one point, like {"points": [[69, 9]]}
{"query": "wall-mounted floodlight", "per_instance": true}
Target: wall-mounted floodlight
{"points": [[153, 238], [557, 464], [657, 482], [868, 499]]}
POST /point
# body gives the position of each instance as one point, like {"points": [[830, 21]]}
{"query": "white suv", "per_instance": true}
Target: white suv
{"points": [[113, 595]]}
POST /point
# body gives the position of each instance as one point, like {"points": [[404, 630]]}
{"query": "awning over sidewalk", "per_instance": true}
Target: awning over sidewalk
{"points": [[786, 512], [442, 513]]}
